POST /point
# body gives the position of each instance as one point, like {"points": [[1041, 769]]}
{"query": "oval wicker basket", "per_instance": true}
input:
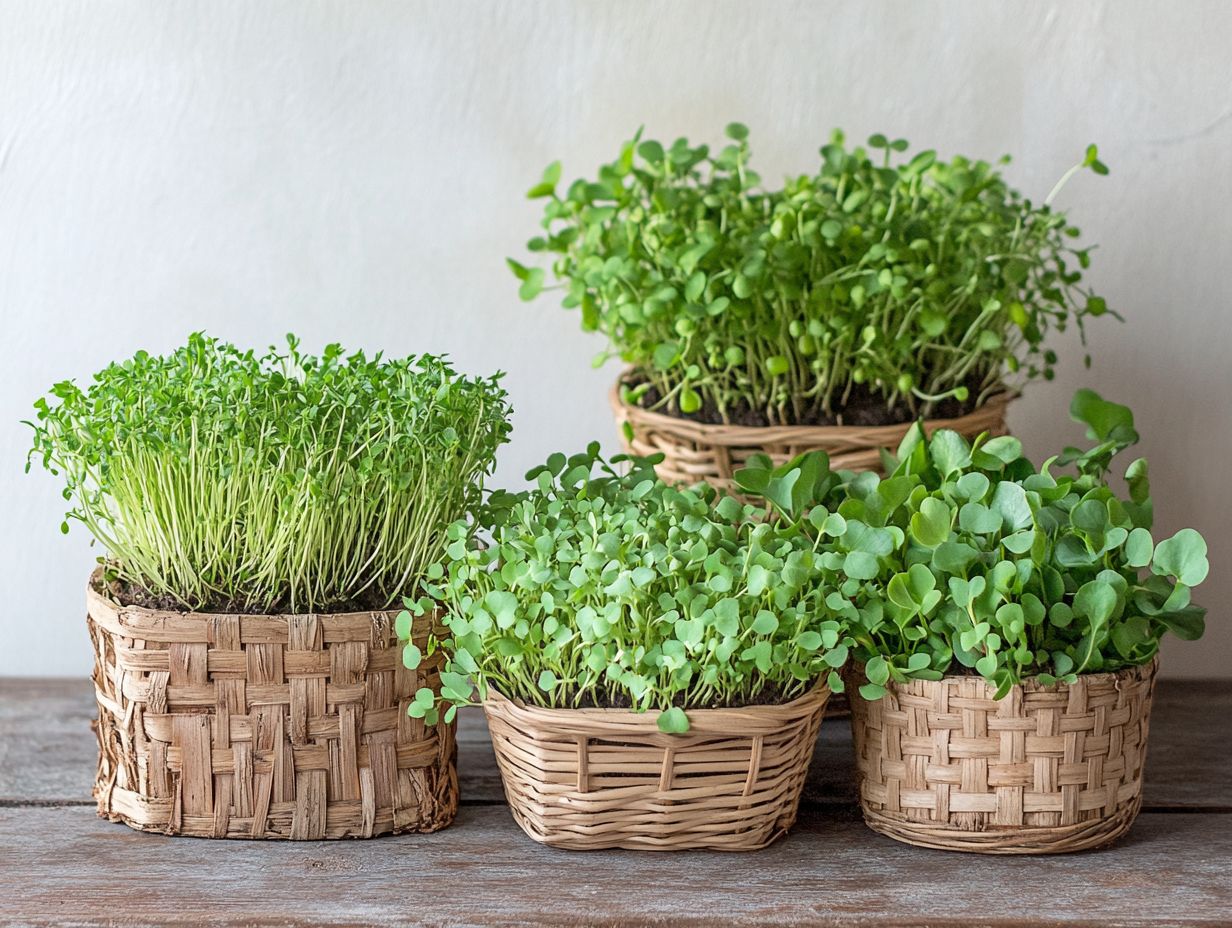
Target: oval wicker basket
{"points": [[697, 451], [264, 726], [1046, 770], [587, 779]]}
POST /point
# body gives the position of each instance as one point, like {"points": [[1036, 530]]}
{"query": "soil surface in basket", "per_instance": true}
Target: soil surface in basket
{"points": [[133, 594], [863, 408], [769, 696]]}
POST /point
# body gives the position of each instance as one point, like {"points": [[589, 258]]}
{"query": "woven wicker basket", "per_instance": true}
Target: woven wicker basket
{"points": [[695, 451], [1046, 770], [264, 726], [587, 779]]}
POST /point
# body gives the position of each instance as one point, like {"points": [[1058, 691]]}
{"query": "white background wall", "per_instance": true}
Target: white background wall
{"points": [[354, 171]]}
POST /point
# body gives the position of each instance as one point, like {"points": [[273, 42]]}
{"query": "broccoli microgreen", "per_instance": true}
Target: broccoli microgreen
{"points": [[907, 277]]}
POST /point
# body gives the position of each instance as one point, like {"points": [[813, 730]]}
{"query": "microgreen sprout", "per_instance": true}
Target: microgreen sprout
{"points": [[902, 280], [281, 481], [602, 588]]}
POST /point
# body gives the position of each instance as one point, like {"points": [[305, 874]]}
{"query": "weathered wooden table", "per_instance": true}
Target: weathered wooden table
{"points": [[60, 865]]}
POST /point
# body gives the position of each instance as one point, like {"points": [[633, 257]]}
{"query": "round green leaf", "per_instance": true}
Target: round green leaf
{"points": [[766, 623], [673, 721], [402, 625], [1005, 449], [1096, 601], [872, 692], [973, 486], [948, 451], [930, 526], [979, 519], [777, 365], [1182, 556], [1139, 547], [860, 565], [877, 670]]}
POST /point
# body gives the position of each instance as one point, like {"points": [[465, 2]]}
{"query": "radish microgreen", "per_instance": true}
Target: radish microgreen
{"points": [[603, 588], [969, 558]]}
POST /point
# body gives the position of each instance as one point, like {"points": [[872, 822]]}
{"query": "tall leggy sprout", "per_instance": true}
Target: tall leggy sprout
{"points": [[281, 481]]}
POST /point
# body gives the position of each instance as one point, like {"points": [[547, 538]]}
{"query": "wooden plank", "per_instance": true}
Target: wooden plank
{"points": [[47, 751], [61, 866], [1189, 755], [47, 754]]}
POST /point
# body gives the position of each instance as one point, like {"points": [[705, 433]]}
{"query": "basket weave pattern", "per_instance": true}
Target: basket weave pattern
{"points": [[697, 451], [602, 778], [943, 764], [264, 726]]}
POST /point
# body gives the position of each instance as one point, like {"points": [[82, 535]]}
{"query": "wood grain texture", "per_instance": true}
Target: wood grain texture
{"points": [[47, 753], [60, 865], [65, 867]]}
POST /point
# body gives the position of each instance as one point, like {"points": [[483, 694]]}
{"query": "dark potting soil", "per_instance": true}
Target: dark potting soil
{"points": [[133, 594], [771, 695], [863, 407]]}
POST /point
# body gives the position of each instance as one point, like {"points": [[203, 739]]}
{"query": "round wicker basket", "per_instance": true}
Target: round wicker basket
{"points": [[1046, 770], [587, 779], [264, 726], [697, 451]]}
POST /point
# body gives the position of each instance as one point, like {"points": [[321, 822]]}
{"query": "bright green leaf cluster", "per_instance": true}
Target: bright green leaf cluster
{"points": [[599, 588], [903, 280], [284, 481], [968, 556]]}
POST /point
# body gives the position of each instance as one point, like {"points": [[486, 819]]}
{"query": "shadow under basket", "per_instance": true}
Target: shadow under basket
{"points": [[697, 451], [586, 779], [1046, 770], [264, 726]]}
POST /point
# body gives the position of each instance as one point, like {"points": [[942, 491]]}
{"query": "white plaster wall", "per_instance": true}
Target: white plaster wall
{"points": [[353, 171]]}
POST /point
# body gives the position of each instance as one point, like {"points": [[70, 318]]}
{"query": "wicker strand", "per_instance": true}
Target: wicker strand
{"points": [[602, 778], [943, 764], [697, 451], [264, 726]]}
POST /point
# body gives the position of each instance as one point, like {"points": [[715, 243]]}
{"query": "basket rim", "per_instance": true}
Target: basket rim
{"points": [[1028, 684], [97, 595], [734, 721], [718, 433], [1005, 840]]}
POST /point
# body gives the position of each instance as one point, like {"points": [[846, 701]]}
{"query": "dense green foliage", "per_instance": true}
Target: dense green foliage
{"points": [[216, 476], [968, 556], [609, 589], [912, 279]]}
